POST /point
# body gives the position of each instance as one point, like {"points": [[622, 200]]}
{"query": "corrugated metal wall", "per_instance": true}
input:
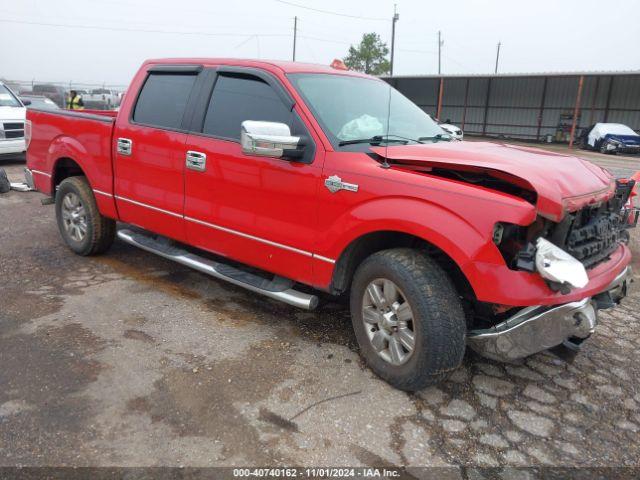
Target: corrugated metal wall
{"points": [[528, 107]]}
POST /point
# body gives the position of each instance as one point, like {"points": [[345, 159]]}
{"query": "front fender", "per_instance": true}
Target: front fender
{"points": [[459, 239]]}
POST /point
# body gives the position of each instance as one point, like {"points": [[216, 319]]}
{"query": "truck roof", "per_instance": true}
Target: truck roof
{"points": [[283, 66]]}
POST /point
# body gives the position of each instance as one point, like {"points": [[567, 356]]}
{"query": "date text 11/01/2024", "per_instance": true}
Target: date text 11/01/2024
{"points": [[319, 472]]}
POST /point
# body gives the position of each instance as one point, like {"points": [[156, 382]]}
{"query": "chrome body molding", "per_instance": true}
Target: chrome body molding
{"points": [[100, 192], [324, 259], [45, 174], [150, 207], [537, 328], [223, 229], [251, 237]]}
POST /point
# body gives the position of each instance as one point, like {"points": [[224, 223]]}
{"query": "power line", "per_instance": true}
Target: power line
{"points": [[329, 12], [135, 30], [327, 40]]}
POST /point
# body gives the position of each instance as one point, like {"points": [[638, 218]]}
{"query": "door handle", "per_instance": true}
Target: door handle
{"points": [[124, 146], [196, 161]]}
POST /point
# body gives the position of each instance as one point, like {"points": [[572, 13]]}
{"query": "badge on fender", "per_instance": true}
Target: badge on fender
{"points": [[334, 184]]}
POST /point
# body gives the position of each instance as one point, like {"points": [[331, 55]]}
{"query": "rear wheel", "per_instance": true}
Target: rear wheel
{"points": [[81, 225], [408, 318]]}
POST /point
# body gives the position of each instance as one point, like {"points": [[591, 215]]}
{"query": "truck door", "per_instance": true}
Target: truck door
{"points": [[258, 210], [149, 151]]}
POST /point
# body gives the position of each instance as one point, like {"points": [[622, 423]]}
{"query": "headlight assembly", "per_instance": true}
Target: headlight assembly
{"points": [[556, 265]]}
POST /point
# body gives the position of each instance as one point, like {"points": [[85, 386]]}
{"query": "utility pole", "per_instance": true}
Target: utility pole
{"points": [[498, 57], [295, 36], [395, 18], [440, 43]]}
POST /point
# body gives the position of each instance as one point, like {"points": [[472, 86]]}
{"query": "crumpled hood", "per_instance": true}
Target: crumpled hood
{"points": [[562, 182]]}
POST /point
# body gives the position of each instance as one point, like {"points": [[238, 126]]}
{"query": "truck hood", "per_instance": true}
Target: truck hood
{"points": [[12, 113], [562, 182]]}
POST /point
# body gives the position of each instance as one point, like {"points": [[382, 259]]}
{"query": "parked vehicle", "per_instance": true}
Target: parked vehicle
{"points": [[101, 98], [611, 138], [455, 132], [319, 177], [54, 92], [12, 116], [38, 101]]}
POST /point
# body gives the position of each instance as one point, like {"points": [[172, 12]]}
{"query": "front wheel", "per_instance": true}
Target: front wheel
{"points": [[81, 225], [408, 318]]}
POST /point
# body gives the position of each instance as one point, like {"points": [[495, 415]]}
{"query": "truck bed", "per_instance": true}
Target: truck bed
{"points": [[85, 136]]}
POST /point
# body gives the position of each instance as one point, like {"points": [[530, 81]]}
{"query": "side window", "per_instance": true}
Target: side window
{"points": [[163, 100], [237, 98]]}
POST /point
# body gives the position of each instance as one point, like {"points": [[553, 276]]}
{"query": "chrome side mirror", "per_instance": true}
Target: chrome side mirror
{"points": [[268, 139]]}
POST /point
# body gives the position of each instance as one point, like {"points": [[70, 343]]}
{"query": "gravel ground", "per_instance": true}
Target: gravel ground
{"points": [[127, 359]]}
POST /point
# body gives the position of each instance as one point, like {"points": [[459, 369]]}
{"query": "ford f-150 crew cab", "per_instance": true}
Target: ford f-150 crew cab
{"points": [[286, 178]]}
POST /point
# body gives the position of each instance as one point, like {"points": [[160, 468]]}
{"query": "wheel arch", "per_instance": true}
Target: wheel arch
{"points": [[64, 167], [65, 157], [369, 243]]}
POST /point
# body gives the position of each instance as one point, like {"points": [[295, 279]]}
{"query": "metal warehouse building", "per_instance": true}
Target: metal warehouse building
{"points": [[527, 106]]}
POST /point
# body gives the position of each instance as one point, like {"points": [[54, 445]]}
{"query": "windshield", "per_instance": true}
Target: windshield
{"points": [[7, 99], [353, 108]]}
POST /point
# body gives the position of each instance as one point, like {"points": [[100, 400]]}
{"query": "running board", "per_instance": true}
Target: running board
{"points": [[279, 288]]}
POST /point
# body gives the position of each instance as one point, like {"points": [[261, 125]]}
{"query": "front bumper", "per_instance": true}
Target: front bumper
{"points": [[538, 328]]}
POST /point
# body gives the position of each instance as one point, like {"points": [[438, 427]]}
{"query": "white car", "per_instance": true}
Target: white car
{"points": [[12, 119], [455, 132], [101, 98]]}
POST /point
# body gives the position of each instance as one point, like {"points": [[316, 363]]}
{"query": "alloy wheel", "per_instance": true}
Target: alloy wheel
{"points": [[388, 321], [74, 217]]}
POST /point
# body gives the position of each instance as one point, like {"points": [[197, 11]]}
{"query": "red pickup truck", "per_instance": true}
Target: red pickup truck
{"points": [[280, 176]]}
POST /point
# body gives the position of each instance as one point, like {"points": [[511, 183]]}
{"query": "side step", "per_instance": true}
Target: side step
{"points": [[279, 288]]}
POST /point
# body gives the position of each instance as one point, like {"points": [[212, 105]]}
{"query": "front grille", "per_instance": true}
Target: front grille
{"points": [[13, 129], [594, 232]]}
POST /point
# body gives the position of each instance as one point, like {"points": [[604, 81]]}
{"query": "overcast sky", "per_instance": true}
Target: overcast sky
{"points": [[97, 41]]}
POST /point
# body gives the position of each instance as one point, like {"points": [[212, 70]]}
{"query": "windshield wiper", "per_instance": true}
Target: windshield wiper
{"points": [[441, 136], [377, 139]]}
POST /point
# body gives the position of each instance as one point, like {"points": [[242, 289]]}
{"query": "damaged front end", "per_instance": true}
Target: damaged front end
{"points": [[538, 328], [562, 253]]}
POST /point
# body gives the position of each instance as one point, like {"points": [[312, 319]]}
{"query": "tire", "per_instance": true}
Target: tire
{"points": [[583, 144], [81, 225], [438, 322], [603, 148], [5, 186]]}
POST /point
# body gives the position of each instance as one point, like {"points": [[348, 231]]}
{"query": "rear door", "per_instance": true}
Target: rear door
{"points": [[149, 156], [259, 210]]}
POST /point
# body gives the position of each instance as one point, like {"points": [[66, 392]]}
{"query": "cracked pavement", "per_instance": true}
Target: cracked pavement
{"points": [[128, 359]]}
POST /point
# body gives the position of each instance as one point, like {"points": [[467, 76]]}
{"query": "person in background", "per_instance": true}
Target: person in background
{"points": [[74, 102]]}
